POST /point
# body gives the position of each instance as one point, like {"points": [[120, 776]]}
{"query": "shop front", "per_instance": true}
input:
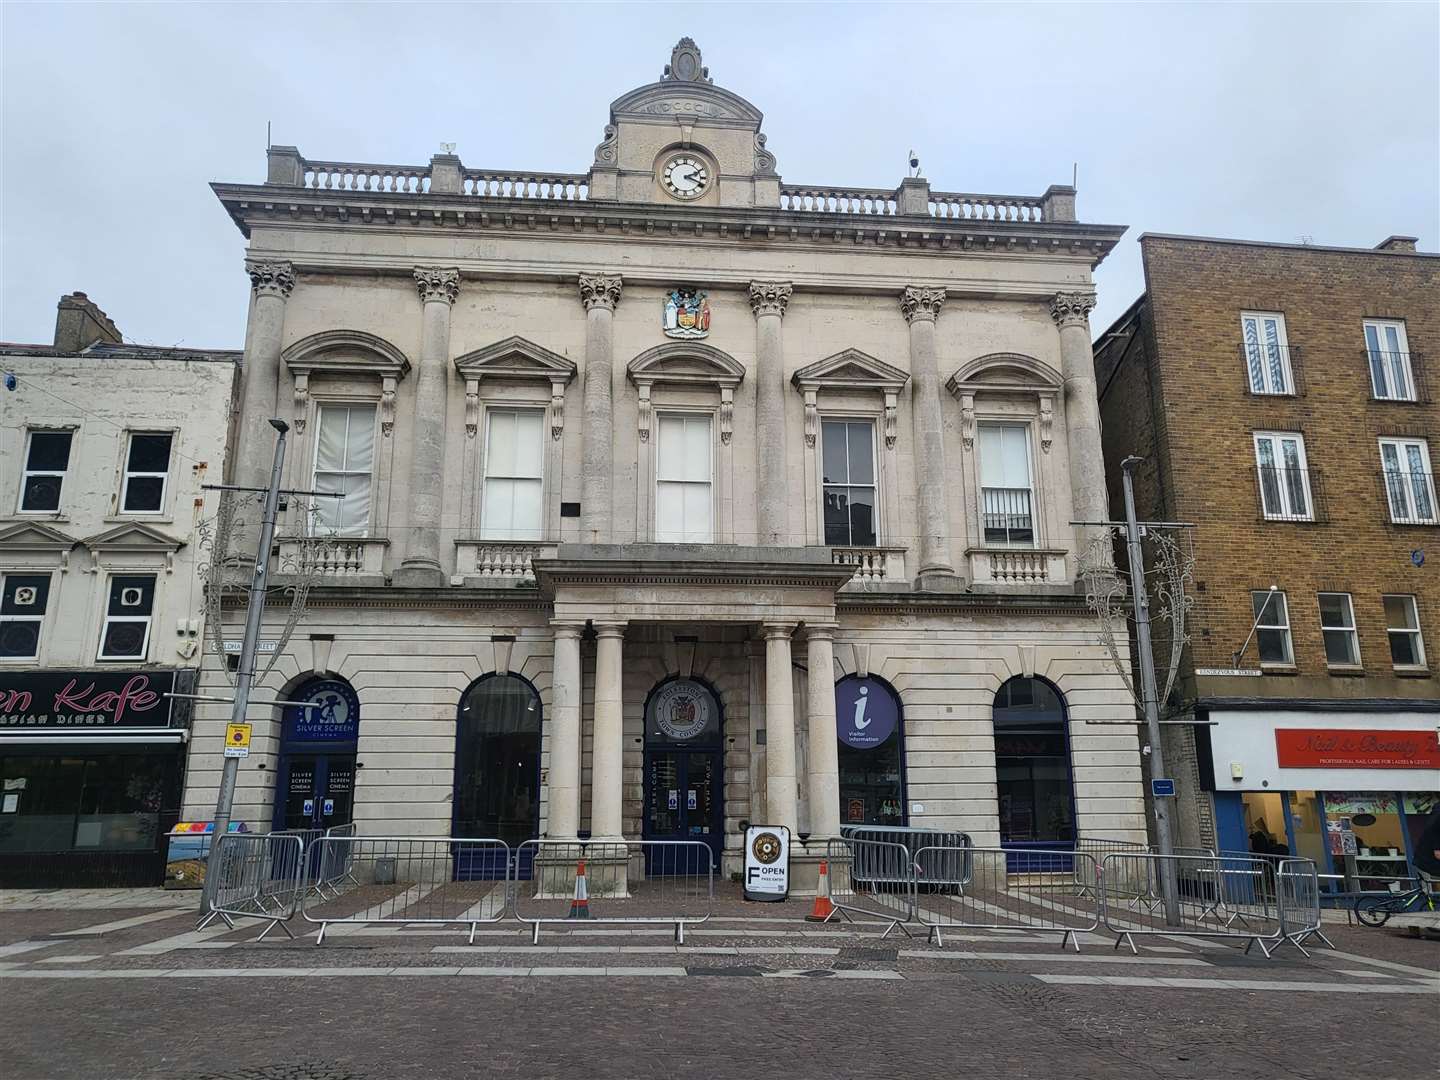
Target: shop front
{"points": [[1351, 790], [90, 773]]}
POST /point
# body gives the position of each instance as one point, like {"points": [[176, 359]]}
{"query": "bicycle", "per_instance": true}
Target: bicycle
{"points": [[1376, 910]]}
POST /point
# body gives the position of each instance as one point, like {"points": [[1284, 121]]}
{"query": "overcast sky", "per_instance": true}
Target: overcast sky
{"points": [[1263, 121]]}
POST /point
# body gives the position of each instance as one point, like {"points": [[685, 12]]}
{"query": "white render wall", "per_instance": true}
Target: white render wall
{"points": [[102, 398]]}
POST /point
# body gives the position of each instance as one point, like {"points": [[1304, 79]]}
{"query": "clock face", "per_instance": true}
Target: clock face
{"points": [[686, 177]]}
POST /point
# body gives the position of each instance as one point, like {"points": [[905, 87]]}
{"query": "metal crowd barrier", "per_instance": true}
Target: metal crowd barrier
{"points": [[1145, 892], [669, 882], [399, 881], [329, 866], [873, 878], [255, 877], [1298, 882], [953, 870], [1042, 894]]}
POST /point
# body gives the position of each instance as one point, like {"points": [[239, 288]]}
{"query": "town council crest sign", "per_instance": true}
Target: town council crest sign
{"points": [[682, 710], [686, 314]]}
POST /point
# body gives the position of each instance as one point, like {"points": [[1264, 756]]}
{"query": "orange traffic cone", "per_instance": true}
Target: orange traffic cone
{"points": [[580, 906], [823, 908]]}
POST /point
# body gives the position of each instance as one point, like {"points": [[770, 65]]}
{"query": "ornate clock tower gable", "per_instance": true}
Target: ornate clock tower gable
{"points": [[685, 140]]}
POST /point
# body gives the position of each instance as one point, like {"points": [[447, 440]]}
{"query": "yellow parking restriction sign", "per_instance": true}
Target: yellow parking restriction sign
{"points": [[237, 740]]}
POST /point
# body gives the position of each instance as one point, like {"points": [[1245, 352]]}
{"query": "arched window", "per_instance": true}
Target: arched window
{"points": [[870, 728], [1032, 765], [497, 760]]}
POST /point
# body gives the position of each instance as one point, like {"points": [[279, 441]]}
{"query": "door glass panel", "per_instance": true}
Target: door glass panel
{"points": [[666, 798], [698, 801], [339, 794], [299, 790]]}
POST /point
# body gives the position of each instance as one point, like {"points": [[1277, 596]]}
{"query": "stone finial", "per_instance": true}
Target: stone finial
{"points": [[921, 302], [770, 297], [1072, 309], [270, 278], [437, 283], [685, 64], [600, 290], [764, 159], [605, 153]]}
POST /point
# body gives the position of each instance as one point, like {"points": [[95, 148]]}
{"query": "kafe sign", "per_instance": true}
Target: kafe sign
{"points": [[86, 699], [767, 862], [866, 713]]}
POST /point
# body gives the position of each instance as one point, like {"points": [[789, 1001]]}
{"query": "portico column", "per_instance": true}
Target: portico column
{"points": [[1071, 312], [271, 283], [780, 795], [607, 751], [768, 300], [438, 289], [563, 819], [599, 293], [921, 307], [824, 757]]}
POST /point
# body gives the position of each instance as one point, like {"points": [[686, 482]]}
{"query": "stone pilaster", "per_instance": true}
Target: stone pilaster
{"points": [[1071, 312], [270, 283], [823, 761], [781, 797], [607, 752], [768, 300], [921, 307], [438, 289], [563, 787], [599, 293]]}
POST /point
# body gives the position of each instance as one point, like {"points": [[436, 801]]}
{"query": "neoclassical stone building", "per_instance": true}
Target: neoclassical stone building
{"points": [[678, 496]]}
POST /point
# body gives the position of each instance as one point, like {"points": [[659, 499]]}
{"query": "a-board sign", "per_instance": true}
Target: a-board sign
{"points": [[767, 862]]}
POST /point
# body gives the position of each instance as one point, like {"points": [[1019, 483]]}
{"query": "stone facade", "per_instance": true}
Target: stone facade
{"points": [[547, 293], [1176, 389]]}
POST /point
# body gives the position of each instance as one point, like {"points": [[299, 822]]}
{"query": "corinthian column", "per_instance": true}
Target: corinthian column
{"points": [[768, 300], [1071, 312], [438, 289], [599, 293], [270, 282], [921, 307]]}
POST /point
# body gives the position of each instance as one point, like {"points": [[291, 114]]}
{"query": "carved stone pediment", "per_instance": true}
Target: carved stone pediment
{"points": [[346, 352], [35, 536], [132, 544], [1011, 374], [851, 369], [515, 360], [686, 100], [687, 363]]}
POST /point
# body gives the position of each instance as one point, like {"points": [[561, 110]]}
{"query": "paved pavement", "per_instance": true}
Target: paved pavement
{"points": [[89, 989]]}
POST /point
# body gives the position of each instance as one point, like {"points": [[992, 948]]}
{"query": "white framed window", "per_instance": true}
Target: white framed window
{"points": [[23, 599], [1409, 483], [1267, 354], [1007, 503], [147, 472], [512, 505], [848, 478], [1284, 476], [344, 464], [1391, 377], [1337, 627], [1272, 627], [684, 479], [129, 606], [47, 457], [1402, 626]]}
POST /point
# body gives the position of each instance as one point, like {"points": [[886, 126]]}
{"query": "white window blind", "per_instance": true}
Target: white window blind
{"points": [[684, 510], [344, 461], [513, 505], [1006, 504]]}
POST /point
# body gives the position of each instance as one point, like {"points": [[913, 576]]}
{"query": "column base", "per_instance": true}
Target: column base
{"points": [[607, 869], [939, 579], [418, 575]]}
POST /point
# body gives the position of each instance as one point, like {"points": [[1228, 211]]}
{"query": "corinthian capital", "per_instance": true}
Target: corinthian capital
{"points": [[438, 284], [1072, 308], [600, 290], [770, 297], [921, 302], [270, 278]]}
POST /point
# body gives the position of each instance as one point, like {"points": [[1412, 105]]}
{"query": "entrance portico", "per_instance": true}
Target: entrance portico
{"points": [[772, 596]]}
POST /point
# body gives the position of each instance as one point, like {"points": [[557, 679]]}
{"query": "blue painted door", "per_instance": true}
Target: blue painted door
{"points": [[684, 800]]}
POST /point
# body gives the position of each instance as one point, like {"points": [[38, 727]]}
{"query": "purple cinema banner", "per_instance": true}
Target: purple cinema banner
{"points": [[866, 714]]}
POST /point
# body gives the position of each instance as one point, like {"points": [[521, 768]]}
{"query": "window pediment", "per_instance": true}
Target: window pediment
{"points": [[1006, 373], [687, 363], [33, 538], [850, 369], [133, 539], [346, 352], [515, 360]]}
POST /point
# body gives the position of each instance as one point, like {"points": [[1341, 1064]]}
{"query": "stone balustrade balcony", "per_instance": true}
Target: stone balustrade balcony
{"points": [[878, 569], [492, 563], [357, 560], [1007, 568]]}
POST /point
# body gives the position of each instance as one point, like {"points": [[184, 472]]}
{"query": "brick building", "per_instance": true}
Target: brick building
{"points": [[1279, 396]]}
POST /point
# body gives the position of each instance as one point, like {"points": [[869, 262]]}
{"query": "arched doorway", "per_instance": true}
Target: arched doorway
{"points": [[497, 763], [684, 767], [1032, 766], [871, 729], [315, 777]]}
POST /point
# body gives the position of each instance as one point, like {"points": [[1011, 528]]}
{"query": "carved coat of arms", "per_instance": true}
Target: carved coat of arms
{"points": [[687, 314]]}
